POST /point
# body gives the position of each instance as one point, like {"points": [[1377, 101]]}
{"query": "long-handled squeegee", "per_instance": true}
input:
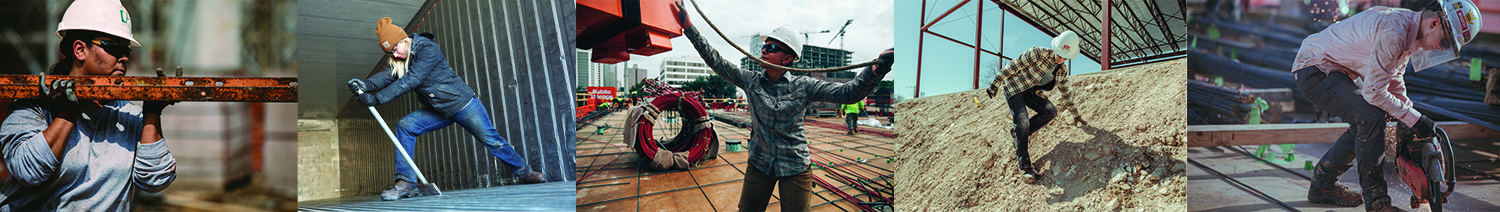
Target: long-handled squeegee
{"points": [[423, 186]]}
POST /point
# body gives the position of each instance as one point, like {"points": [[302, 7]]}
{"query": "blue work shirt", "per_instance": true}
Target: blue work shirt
{"points": [[102, 164]]}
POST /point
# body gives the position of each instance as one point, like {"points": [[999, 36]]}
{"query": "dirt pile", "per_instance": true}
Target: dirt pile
{"points": [[954, 153]]}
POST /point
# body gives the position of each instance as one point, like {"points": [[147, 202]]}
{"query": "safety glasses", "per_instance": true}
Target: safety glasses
{"points": [[771, 48], [114, 48]]}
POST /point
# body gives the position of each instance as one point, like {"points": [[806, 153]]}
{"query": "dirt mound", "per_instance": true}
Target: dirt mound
{"points": [[956, 154]]}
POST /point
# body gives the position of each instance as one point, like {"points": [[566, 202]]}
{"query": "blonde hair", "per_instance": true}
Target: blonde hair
{"points": [[400, 66]]}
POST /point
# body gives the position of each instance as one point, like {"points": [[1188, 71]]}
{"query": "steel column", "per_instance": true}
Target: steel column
{"points": [[978, 39], [1104, 35], [917, 91]]}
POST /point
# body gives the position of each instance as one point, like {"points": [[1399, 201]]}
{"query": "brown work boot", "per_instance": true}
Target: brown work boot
{"points": [[533, 178], [1029, 172], [1031, 176], [1338, 195]]}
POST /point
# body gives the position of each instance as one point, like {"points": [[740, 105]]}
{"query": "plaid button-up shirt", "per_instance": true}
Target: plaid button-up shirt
{"points": [[1035, 67], [777, 146]]}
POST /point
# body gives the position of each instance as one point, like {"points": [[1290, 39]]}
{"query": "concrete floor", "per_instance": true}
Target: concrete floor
{"points": [[1209, 192], [623, 185], [553, 196]]}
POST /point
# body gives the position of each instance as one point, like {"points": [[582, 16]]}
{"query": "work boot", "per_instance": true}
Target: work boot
{"points": [[533, 178], [1338, 195], [1029, 172], [1388, 208], [403, 189]]}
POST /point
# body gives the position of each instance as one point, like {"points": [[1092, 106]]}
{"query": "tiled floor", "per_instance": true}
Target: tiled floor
{"points": [[554, 196], [621, 185]]}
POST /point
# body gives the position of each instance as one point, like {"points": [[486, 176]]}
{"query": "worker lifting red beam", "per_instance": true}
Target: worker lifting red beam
{"points": [[137, 88]]}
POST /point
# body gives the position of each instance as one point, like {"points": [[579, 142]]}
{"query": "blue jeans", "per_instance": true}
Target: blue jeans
{"points": [[473, 118]]}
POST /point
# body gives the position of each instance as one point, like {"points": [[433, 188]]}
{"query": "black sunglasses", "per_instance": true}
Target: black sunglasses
{"points": [[114, 48], [770, 48]]}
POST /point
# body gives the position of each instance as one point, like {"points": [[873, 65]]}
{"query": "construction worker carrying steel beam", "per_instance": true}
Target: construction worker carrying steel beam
{"points": [[92, 155], [778, 149], [1021, 83], [417, 65], [1354, 69]]}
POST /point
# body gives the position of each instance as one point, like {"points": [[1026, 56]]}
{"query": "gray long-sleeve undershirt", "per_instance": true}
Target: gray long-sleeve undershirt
{"points": [[102, 165]]}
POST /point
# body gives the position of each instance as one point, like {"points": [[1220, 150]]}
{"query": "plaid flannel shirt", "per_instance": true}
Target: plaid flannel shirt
{"points": [[1033, 68]]}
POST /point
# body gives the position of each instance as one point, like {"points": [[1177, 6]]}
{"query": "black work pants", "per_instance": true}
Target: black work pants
{"points": [[1025, 126], [1337, 94]]}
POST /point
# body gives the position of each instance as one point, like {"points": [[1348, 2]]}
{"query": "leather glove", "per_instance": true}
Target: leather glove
{"points": [[59, 99], [1424, 128], [886, 59], [682, 16], [367, 99], [357, 85], [155, 107]]}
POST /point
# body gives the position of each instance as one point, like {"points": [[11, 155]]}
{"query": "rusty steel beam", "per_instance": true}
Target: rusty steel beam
{"points": [[135, 88]]}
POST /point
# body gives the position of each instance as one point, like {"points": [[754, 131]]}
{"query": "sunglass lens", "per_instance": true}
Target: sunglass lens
{"points": [[769, 48]]}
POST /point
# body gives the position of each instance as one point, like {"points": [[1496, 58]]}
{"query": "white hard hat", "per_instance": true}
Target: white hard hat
{"points": [[790, 37], [1463, 21], [105, 16], [1066, 44]]}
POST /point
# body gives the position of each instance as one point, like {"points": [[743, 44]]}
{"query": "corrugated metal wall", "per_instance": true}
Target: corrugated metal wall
{"points": [[517, 56]]}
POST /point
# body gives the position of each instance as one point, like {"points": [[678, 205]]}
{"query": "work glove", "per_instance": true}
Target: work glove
{"points": [[886, 59], [1424, 128], [59, 98], [357, 85], [367, 99], [682, 16], [155, 107]]}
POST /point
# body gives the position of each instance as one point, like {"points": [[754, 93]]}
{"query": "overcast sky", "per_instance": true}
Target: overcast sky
{"points": [[867, 36]]}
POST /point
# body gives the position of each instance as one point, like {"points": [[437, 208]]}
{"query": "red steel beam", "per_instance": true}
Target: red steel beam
{"points": [[917, 91], [136, 88], [978, 39], [1104, 35]]}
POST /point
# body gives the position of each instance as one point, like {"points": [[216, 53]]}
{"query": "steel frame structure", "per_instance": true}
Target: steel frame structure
{"points": [[1147, 26]]}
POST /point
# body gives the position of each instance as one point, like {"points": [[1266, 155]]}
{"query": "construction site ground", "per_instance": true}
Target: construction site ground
{"points": [[1210, 192], [553, 196], [620, 182], [957, 152]]}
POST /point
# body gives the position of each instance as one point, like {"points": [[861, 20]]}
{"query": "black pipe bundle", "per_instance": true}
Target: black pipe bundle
{"points": [[1218, 105], [1253, 76]]}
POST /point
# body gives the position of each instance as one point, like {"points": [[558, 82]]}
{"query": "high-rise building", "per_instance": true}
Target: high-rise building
{"points": [[582, 62], [595, 74], [813, 57], [677, 71], [633, 75]]}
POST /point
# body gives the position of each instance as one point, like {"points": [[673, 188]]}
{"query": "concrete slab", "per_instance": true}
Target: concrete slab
{"points": [[1208, 192], [617, 182]]}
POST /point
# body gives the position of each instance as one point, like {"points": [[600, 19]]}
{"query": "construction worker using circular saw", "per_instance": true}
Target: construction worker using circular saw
{"points": [[1021, 83], [778, 149], [66, 154], [1354, 69], [417, 65]]}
